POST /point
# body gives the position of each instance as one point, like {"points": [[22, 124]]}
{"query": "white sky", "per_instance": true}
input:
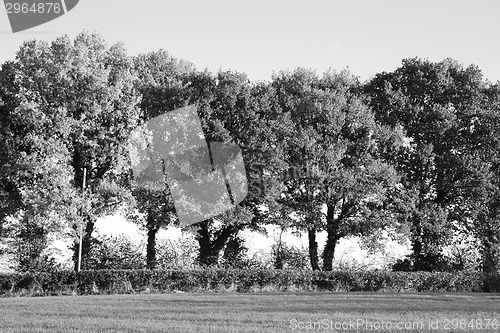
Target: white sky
{"points": [[347, 250], [258, 37]]}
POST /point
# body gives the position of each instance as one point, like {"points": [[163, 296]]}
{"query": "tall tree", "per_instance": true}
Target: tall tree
{"points": [[235, 111], [434, 103], [82, 96], [36, 188], [163, 82], [335, 159], [298, 94]]}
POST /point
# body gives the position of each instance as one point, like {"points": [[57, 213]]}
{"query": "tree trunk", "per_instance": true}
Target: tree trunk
{"points": [[87, 241], [328, 252], [332, 228], [313, 248], [86, 244], [490, 252], [212, 245], [488, 262], [205, 256], [417, 242], [151, 247], [418, 260], [279, 259]]}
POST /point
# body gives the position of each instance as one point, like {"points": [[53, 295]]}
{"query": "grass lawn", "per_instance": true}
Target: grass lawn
{"points": [[266, 312]]}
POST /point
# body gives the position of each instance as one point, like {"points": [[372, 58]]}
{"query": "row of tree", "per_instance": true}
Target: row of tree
{"points": [[414, 152]]}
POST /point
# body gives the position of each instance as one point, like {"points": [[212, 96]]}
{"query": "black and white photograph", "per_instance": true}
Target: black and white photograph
{"points": [[249, 166]]}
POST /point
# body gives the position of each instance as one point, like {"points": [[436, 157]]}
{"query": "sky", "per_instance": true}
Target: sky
{"points": [[258, 37]]}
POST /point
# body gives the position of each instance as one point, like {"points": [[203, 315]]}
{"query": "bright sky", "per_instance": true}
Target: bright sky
{"points": [[258, 37]]}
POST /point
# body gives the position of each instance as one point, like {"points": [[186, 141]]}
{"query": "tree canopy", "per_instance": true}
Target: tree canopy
{"points": [[414, 151]]}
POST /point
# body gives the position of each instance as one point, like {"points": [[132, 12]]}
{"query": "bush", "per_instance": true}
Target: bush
{"points": [[289, 256], [241, 280], [174, 254], [115, 252]]}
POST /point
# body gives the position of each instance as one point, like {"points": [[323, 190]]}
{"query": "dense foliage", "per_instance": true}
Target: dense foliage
{"points": [[414, 153]]}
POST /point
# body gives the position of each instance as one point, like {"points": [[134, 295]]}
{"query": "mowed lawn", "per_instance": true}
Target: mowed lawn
{"points": [[266, 312]]}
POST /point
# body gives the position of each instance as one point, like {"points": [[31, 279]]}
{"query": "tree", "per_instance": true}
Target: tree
{"points": [[298, 94], [434, 103], [162, 81], [334, 158], [168, 84], [234, 111], [79, 105], [35, 164]]}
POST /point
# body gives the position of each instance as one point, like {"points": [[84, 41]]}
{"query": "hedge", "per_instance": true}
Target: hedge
{"points": [[239, 280]]}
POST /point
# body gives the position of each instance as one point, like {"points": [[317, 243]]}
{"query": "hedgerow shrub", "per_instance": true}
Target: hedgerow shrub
{"points": [[115, 252], [240, 280]]}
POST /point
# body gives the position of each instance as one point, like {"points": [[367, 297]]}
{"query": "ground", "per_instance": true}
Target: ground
{"points": [[262, 312]]}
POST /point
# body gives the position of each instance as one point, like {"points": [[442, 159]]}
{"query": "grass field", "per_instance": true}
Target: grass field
{"points": [[298, 312]]}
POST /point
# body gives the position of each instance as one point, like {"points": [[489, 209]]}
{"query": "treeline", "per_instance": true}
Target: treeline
{"points": [[413, 153]]}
